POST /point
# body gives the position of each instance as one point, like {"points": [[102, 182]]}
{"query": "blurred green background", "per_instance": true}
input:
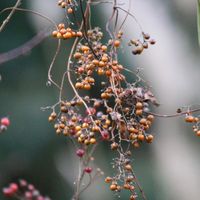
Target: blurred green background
{"points": [[30, 148]]}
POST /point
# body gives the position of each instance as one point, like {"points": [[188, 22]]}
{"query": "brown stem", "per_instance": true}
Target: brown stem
{"points": [[139, 186], [10, 15], [82, 173], [175, 114]]}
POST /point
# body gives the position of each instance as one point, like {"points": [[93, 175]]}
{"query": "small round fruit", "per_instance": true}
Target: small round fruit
{"points": [[117, 43]]}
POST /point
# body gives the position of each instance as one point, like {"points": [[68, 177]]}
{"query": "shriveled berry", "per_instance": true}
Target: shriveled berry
{"points": [[80, 152], [88, 170]]}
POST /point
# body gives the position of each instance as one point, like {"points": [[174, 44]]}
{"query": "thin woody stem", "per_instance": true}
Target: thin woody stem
{"points": [[175, 114], [10, 15], [138, 185]]}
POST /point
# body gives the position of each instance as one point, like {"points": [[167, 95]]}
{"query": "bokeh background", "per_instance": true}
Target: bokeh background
{"points": [[30, 149]]}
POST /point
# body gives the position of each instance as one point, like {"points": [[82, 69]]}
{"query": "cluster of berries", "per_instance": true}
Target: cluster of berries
{"points": [[66, 33], [23, 190], [4, 123], [125, 179], [81, 153], [69, 4], [191, 119], [141, 45], [119, 115]]}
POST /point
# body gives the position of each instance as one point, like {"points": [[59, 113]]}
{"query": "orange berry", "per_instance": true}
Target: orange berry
{"points": [[60, 26], [102, 64], [143, 121], [139, 112], [139, 105], [196, 119], [104, 47], [54, 33], [87, 86], [79, 34], [114, 146], [108, 179], [86, 142], [91, 80], [92, 141], [198, 133], [85, 48], [189, 118], [63, 31], [77, 55], [150, 118], [104, 59], [100, 72], [67, 35], [50, 119], [63, 4], [104, 95], [69, 10], [128, 167], [126, 186], [59, 35], [95, 62], [116, 43], [136, 144], [113, 187], [73, 34], [53, 114], [132, 197], [141, 137], [149, 138], [69, 29], [108, 73]]}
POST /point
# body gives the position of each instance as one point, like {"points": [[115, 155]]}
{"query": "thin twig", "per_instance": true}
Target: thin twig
{"points": [[175, 114], [52, 64], [117, 7], [10, 15], [138, 185], [33, 12], [127, 14]]}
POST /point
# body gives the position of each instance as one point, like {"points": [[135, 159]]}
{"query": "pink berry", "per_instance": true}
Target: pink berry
{"points": [[88, 170], [14, 187], [80, 152], [31, 187], [40, 198], [105, 135], [23, 183], [7, 192], [91, 111], [5, 121], [28, 195]]}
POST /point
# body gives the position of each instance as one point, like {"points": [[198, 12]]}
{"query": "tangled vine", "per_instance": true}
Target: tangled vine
{"points": [[120, 113]]}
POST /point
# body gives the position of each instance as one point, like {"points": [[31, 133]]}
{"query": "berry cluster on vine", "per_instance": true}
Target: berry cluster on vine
{"points": [[23, 190]]}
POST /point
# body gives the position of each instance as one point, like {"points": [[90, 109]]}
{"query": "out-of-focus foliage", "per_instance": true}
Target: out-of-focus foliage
{"points": [[198, 19]]}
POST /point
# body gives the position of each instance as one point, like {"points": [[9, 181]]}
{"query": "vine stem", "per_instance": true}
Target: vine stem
{"points": [[139, 186], [175, 114], [68, 68], [82, 173], [10, 15]]}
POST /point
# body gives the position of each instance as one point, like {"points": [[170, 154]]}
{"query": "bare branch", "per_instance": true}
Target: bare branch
{"points": [[10, 15]]}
